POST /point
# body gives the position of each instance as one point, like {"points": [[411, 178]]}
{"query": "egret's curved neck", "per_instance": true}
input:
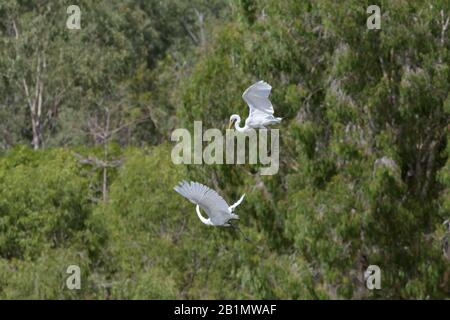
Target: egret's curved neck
{"points": [[237, 127], [202, 219]]}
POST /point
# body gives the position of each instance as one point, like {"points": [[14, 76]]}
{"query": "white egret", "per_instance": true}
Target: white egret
{"points": [[218, 211], [261, 109]]}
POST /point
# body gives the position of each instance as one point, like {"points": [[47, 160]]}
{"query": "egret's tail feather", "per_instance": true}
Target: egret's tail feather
{"points": [[273, 120]]}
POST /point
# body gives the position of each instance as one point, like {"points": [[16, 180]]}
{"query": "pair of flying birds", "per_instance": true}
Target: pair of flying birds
{"points": [[261, 115]]}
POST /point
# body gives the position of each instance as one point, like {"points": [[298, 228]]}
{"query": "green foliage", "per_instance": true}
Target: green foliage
{"points": [[362, 145], [44, 202], [44, 277], [364, 165]]}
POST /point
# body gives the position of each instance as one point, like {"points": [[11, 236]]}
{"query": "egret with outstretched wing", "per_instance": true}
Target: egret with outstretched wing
{"points": [[261, 109], [218, 211]]}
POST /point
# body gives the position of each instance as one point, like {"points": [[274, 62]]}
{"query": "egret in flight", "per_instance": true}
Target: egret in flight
{"points": [[261, 109], [218, 211]]}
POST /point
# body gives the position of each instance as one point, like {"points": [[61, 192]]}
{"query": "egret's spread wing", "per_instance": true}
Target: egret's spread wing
{"points": [[257, 98], [209, 200]]}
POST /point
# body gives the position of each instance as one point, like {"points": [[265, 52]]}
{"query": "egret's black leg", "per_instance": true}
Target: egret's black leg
{"points": [[243, 234]]}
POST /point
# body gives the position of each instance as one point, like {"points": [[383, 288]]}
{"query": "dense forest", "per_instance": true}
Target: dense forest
{"points": [[86, 176]]}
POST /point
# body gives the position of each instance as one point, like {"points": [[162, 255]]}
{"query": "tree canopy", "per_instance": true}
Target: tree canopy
{"points": [[86, 176]]}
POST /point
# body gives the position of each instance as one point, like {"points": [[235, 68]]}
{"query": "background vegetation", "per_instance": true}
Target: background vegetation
{"points": [[85, 170]]}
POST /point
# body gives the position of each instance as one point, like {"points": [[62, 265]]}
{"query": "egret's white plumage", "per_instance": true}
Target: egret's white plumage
{"points": [[218, 211], [261, 109]]}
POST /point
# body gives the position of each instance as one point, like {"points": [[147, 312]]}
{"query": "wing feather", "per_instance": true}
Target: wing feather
{"points": [[209, 200], [257, 98]]}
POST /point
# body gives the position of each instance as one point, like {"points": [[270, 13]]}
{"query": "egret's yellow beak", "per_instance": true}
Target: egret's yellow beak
{"points": [[230, 125]]}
